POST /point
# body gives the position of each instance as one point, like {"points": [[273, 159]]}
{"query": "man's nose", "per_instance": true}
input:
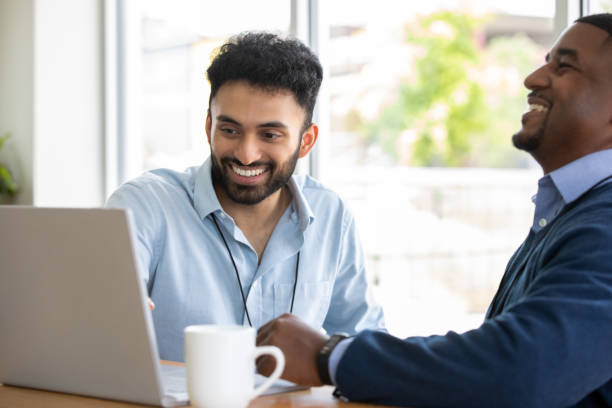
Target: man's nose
{"points": [[248, 151], [538, 79]]}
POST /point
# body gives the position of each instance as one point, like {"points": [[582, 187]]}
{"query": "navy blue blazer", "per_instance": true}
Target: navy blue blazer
{"points": [[546, 342]]}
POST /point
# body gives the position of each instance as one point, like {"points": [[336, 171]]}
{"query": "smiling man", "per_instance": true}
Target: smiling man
{"points": [[240, 239], [547, 337]]}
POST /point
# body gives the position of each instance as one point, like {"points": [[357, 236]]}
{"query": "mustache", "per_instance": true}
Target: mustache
{"points": [[233, 160], [537, 94]]}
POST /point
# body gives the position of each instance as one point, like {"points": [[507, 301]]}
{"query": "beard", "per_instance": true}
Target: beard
{"points": [[529, 142], [246, 194]]}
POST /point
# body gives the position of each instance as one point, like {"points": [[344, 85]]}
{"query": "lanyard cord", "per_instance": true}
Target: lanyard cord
{"points": [[246, 310]]}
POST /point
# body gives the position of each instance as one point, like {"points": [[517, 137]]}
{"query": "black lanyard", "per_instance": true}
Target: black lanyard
{"points": [[246, 310]]}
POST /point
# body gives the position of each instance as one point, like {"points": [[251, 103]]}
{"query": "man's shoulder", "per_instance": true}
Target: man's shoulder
{"points": [[319, 196], [589, 216], [163, 180], [595, 201], [160, 186], [313, 187]]}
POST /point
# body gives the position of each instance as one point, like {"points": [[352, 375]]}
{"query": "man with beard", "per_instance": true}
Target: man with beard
{"points": [[240, 240], [547, 337]]}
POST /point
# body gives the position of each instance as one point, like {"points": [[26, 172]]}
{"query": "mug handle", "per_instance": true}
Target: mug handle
{"points": [[278, 370]]}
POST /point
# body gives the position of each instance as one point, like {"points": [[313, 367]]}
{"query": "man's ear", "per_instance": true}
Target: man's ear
{"points": [[208, 125], [309, 138]]}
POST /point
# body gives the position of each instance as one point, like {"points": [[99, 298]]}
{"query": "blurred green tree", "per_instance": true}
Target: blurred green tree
{"points": [[444, 115]]}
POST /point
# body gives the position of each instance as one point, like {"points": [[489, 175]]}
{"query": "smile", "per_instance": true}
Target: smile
{"points": [[537, 108], [247, 173]]}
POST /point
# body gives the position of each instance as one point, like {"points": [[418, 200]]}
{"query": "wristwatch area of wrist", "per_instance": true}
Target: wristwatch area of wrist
{"points": [[323, 357]]}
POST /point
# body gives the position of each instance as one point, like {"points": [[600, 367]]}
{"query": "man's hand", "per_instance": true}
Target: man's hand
{"points": [[300, 344]]}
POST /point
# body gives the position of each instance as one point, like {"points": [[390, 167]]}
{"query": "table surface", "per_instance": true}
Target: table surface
{"points": [[17, 397]]}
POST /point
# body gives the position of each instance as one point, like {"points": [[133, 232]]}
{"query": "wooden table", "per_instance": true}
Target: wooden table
{"points": [[17, 397]]}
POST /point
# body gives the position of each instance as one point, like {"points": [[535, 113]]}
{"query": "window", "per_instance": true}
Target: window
{"points": [[416, 112], [423, 100], [599, 6], [169, 48]]}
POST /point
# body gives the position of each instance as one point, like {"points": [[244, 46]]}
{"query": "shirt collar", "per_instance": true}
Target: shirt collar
{"points": [[206, 201], [302, 208], [575, 178]]}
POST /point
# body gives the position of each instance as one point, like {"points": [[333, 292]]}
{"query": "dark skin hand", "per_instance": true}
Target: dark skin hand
{"points": [[299, 343]]}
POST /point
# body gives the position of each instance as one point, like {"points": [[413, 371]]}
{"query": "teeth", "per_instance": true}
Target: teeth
{"points": [[538, 108], [247, 173]]}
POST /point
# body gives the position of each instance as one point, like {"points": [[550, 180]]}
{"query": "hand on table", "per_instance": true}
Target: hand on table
{"points": [[299, 343]]}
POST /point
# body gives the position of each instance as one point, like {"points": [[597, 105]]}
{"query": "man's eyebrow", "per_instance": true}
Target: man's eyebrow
{"points": [[568, 52], [275, 124], [564, 52], [224, 118]]}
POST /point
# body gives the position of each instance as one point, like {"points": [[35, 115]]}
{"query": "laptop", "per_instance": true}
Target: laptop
{"points": [[73, 309]]}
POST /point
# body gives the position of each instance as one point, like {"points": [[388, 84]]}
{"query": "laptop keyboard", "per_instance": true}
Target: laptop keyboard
{"points": [[174, 380]]}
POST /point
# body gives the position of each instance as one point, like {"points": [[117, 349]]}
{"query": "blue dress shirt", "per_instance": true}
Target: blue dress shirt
{"points": [[555, 190], [564, 185], [190, 277]]}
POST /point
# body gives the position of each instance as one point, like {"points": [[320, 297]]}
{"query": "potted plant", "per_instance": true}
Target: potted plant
{"points": [[8, 186]]}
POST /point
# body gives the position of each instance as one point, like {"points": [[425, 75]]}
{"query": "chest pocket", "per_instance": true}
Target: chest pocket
{"points": [[311, 301]]}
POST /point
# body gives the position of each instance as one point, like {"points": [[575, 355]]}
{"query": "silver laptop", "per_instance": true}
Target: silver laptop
{"points": [[73, 309]]}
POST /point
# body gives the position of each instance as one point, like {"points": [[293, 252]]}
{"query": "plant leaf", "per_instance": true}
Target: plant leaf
{"points": [[7, 183], [3, 139]]}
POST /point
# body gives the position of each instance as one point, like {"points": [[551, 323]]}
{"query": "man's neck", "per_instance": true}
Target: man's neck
{"points": [[257, 221]]}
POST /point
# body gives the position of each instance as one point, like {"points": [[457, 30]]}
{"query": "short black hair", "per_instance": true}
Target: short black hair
{"points": [[271, 62], [603, 21]]}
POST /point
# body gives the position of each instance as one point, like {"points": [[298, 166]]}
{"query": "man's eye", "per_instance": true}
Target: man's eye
{"points": [[271, 136], [229, 131]]}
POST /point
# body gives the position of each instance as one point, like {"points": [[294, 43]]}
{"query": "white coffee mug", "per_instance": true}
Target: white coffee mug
{"points": [[221, 365]]}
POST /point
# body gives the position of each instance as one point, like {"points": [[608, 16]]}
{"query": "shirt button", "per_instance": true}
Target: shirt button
{"points": [[542, 223]]}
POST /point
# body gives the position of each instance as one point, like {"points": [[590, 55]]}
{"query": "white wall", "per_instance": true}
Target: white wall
{"points": [[51, 98]]}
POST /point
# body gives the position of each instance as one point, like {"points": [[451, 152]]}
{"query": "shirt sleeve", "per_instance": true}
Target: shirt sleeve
{"points": [[352, 306], [550, 349], [133, 198]]}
